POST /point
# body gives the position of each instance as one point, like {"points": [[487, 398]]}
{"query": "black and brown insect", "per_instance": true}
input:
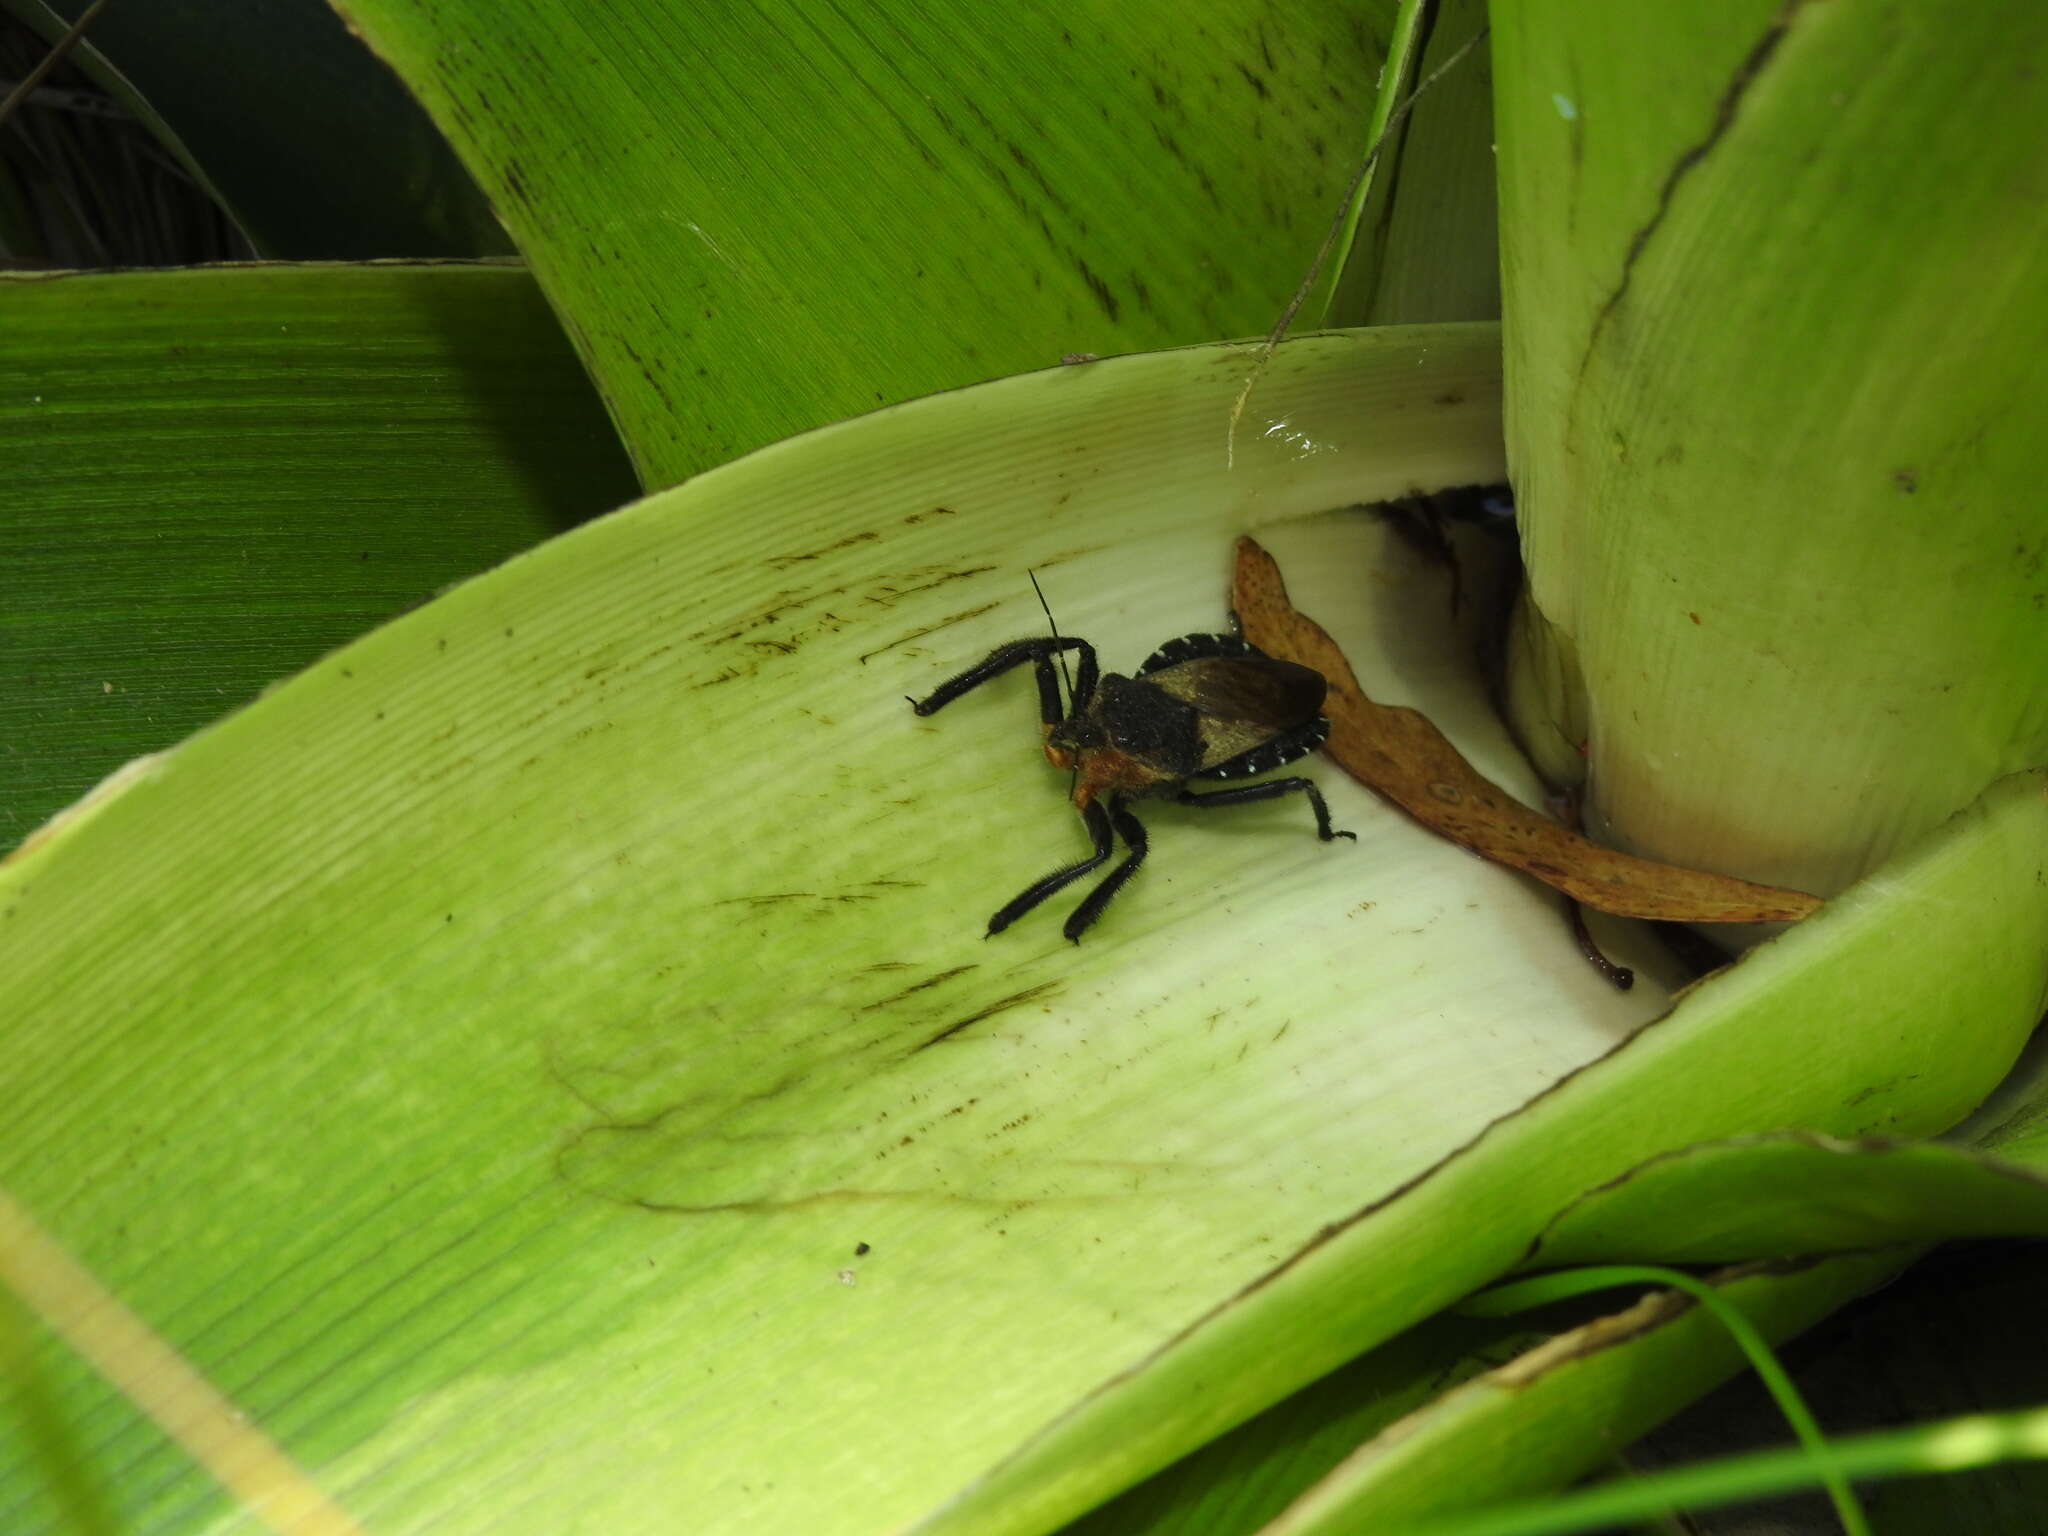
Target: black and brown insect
{"points": [[1201, 707]]}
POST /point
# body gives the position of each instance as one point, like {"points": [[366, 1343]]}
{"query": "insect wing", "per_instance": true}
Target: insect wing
{"points": [[1250, 709], [1258, 691]]}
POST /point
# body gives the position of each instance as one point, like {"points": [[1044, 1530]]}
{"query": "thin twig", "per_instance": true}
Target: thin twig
{"points": [[1315, 268], [35, 77]]}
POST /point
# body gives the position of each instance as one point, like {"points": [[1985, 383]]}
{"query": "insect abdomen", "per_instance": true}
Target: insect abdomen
{"points": [[1219, 761]]}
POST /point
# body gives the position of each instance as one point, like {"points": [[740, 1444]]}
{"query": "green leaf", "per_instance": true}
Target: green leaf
{"points": [[302, 135], [1954, 1335], [1763, 1042], [1541, 1290], [637, 827], [1555, 1414], [1558, 1412], [762, 220], [1776, 340], [1787, 1195], [522, 1018], [215, 476]]}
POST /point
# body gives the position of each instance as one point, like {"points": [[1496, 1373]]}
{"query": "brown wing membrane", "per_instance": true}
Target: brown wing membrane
{"points": [[1273, 695]]}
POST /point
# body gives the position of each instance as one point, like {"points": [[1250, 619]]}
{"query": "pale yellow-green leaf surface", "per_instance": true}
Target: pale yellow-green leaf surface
{"points": [[506, 1031], [1841, 1025]]}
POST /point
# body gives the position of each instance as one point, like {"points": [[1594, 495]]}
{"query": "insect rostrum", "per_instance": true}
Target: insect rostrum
{"points": [[1201, 707]]}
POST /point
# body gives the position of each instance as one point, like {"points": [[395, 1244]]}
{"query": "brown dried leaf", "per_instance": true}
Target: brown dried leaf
{"points": [[1399, 754]]}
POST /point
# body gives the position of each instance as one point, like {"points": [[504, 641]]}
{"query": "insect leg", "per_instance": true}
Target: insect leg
{"points": [[1084, 678], [1097, 820], [1004, 657], [1049, 713], [1090, 909], [1272, 789]]}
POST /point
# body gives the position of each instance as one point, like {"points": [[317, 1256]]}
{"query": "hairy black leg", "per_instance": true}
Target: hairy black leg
{"points": [[1272, 789], [1090, 909], [1096, 819], [1049, 711], [1004, 657], [1085, 675]]}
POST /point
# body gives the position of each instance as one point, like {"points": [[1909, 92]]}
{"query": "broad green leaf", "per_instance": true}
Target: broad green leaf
{"points": [[290, 122], [381, 969], [519, 1021], [759, 220], [593, 954], [214, 476], [1776, 347]]}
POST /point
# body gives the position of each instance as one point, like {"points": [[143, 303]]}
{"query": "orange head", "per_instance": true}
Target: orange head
{"points": [[1083, 748]]}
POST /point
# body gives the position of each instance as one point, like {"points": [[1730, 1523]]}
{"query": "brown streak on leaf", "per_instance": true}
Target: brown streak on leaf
{"points": [[914, 987], [1001, 1005], [918, 634], [1399, 754]]}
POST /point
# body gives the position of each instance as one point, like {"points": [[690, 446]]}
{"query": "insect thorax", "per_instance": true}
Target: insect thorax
{"points": [[1148, 724]]}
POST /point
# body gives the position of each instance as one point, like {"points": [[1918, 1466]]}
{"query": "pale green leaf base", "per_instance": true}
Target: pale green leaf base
{"points": [[1777, 349]]}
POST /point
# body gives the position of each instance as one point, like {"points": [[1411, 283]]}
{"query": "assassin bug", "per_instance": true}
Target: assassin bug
{"points": [[1201, 707]]}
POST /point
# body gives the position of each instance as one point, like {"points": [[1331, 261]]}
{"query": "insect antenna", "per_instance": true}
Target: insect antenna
{"points": [[1061, 656]]}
